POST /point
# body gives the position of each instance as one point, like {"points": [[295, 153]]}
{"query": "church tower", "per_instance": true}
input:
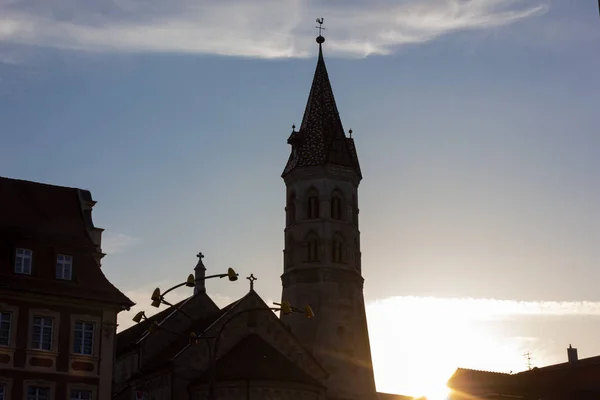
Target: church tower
{"points": [[322, 244]]}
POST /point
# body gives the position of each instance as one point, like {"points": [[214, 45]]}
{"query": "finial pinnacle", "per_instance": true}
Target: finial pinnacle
{"points": [[350, 132], [320, 38], [252, 278]]}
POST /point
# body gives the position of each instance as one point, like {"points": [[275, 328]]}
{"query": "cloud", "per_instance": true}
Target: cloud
{"points": [[113, 243], [252, 28], [483, 309]]}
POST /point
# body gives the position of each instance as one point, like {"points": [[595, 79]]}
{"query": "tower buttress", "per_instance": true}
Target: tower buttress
{"points": [[322, 265]]}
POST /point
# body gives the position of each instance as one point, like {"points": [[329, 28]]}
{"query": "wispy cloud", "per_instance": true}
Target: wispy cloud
{"points": [[483, 309], [113, 243], [253, 28]]}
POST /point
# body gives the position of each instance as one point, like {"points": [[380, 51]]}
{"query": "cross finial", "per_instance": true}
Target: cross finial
{"points": [[200, 255], [320, 39], [252, 278]]}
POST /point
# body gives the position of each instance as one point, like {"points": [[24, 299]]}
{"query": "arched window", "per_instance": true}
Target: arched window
{"points": [[290, 209], [311, 247], [312, 204], [289, 252], [337, 205], [338, 249]]}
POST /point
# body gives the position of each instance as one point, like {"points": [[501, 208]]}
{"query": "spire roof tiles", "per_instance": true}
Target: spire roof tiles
{"points": [[321, 139]]}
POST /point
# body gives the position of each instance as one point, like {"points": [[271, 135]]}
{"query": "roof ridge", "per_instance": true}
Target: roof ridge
{"points": [[484, 370], [42, 183]]}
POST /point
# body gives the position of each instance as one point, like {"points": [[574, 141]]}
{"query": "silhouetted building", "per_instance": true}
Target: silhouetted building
{"points": [[573, 380], [322, 244], [58, 312], [259, 355]]}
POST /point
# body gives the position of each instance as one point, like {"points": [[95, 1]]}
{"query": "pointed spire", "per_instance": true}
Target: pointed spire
{"points": [[321, 139], [199, 274]]}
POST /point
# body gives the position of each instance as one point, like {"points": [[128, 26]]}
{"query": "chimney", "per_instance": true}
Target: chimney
{"points": [[572, 354], [199, 274]]}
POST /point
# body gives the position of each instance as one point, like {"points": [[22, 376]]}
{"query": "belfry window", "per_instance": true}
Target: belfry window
{"points": [[312, 248], [312, 206], [290, 209], [289, 253], [337, 249], [336, 207]]}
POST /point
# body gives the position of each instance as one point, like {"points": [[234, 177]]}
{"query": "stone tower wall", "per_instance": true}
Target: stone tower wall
{"points": [[330, 284]]}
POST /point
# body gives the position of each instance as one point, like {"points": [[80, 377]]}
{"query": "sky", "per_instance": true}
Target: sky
{"points": [[476, 128]]}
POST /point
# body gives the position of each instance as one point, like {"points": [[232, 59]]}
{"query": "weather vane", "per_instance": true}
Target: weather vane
{"points": [[320, 27], [252, 278]]}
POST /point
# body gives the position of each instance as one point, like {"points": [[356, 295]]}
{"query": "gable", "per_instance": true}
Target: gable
{"points": [[252, 358], [250, 315]]}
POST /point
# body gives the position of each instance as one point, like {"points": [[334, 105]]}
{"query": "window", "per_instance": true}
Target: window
{"points": [[312, 205], [83, 342], [289, 252], [291, 213], [81, 395], [337, 249], [312, 248], [38, 393], [336, 208], [23, 261], [64, 266], [41, 339], [5, 320], [2, 391]]}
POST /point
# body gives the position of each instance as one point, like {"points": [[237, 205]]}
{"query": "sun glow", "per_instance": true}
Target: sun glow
{"points": [[417, 343]]}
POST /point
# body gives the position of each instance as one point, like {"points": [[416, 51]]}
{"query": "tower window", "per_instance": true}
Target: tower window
{"points": [[312, 207], [336, 208], [337, 249], [289, 253], [312, 248], [291, 209]]}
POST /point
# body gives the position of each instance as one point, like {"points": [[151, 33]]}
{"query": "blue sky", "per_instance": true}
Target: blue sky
{"points": [[475, 121]]}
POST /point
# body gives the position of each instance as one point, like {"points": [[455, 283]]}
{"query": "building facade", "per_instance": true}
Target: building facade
{"points": [[58, 311]]}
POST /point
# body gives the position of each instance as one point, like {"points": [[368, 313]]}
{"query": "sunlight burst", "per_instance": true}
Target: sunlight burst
{"points": [[417, 343]]}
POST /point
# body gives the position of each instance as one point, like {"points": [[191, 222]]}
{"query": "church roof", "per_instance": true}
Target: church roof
{"points": [[181, 342], [252, 358], [321, 139], [128, 338]]}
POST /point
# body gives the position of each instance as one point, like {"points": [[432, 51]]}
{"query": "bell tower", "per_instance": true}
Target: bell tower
{"points": [[322, 243]]}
